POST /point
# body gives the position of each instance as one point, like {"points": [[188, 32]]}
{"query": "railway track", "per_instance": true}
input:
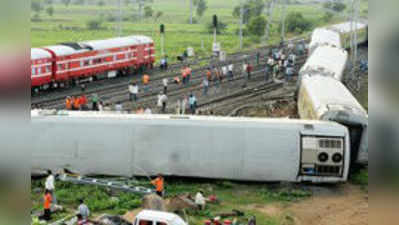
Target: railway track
{"points": [[109, 86], [119, 92]]}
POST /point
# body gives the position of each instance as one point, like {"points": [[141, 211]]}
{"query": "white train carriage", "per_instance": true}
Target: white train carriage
{"points": [[325, 98], [322, 37], [345, 30], [327, 61], [203, 147]]}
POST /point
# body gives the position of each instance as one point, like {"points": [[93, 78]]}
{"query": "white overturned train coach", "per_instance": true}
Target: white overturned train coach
{"points": [[203, 147], [324, 37], [326, 61], [325, 98]]}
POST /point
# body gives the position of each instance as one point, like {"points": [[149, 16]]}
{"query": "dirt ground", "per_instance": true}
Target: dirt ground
{"points": [[344, 205]]}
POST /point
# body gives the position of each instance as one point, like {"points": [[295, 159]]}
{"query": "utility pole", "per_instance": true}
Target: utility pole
{"points": [[191, 11], [120, 18], [353, 42], [269, 20], [241, 23], [141, 9], [283, 19]]}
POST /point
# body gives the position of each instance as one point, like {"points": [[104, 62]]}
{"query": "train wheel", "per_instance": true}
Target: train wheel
{"points": [[76, 82]]}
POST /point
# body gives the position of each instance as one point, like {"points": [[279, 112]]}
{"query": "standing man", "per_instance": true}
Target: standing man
{"points": [[205, 86], [224, 71], [164, 100], [183, 105], [83, 210], [193, 103], [200, 200], [249, 70], [159, 185], [94, 102], [146, 82], [188, 74], [68, 103], [184, 75], [47, 206], [50, 186], [231, 68], [165, 85], [133, 91]]}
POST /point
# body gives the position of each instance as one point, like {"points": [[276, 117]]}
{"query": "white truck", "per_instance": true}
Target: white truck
{"points": [[151, 217]]}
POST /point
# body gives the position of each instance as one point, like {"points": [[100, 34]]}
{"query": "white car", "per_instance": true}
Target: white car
{"points": [[151, 217]]}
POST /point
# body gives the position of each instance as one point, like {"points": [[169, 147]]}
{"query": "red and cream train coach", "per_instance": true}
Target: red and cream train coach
{"points": [[86, 61], [41, 68]]}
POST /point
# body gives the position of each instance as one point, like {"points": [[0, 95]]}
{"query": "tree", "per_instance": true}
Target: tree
{"points": [[148, 11], [36, 6], [337, 6], [201, 7], [101, 3], [66, 2], [256, 26], [50, 11], [252, 8], [94, 24], [296, 22]]}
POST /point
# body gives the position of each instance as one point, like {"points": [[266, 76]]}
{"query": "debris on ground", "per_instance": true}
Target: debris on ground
{"points": [[179, 203], [112, 220], [154, 202]]}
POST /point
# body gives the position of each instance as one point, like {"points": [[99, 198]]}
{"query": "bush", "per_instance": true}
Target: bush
{"points": [[297, 23], [220, 29], [94, 24], [257, 26], [328, 16], [36, 18]]}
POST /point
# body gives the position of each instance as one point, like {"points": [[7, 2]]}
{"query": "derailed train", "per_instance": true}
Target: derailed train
{"points": [[205, 147], [322, 96]]}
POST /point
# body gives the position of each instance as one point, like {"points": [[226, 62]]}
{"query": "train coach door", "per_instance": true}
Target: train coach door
{"points": [[140, 54]]}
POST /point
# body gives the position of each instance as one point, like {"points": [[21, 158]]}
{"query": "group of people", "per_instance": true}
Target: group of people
{"points": [[159, 184], [82, 103], [50, 200], [279, 62]]}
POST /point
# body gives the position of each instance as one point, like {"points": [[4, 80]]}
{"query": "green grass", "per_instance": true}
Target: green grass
{"points": [[68, 24], [240, 196]]}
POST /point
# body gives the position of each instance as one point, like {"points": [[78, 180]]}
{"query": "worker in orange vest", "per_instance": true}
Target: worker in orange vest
{"points": [[76, 103], [184, 75], [47, 206], [68, 103], [159, 185], [209, 74], [146, 82], [188, 74], [83, 102]]}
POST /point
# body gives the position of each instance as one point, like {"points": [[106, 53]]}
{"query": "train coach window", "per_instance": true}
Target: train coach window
{"points": [[48, 69], [33, 71], [39, 70], [86, 63]]}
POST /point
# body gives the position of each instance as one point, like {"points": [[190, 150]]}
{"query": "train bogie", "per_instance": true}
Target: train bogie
{"points": [[204, 147], [325, 98]]}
